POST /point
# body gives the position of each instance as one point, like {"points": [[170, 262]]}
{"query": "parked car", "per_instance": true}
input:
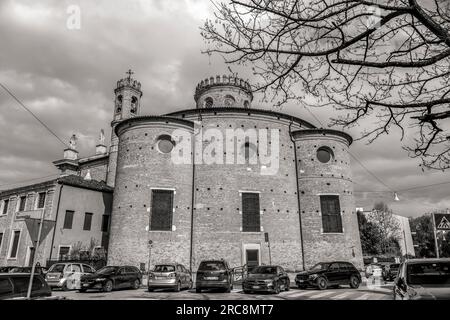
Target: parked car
{"points": [[423, 279], [326, 274], [267, 279], [174, 276], [37, 270], [7, 269], [15, 285], [66, 276], [112, 277], [214, 274], [390, 272], [374, 269]]}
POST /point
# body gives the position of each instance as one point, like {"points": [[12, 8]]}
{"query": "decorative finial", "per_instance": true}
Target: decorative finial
{"points": [[73, 142], [129, 73], [88, 175]]}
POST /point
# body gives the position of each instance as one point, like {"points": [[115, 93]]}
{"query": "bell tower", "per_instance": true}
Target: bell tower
{"points": [[127, 104]]}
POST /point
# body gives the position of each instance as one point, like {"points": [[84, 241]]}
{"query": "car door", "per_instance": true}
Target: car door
{"points": [[6, 288], [121, 278], [77, 272], [332, 273], [344, 273], [130, 276], [284, 277]]}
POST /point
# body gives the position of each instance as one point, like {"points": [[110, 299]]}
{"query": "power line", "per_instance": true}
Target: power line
{"points": [[353, 156], [23, 181], [30, 112]]}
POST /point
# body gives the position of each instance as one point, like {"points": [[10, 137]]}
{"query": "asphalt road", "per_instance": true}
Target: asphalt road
{"points": [[341, 293]]}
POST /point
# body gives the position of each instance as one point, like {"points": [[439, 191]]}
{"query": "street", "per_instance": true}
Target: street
{"points": [[341, 293]]}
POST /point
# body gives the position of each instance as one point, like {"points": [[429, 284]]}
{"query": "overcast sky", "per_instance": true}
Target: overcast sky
{"points": [[67, 77]]}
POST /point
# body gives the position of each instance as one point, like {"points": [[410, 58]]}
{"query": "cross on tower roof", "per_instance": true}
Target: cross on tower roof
{"points": [[129, 73]]}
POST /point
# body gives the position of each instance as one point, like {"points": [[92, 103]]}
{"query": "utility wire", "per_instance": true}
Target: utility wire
{"points": [[30, 112], [353, 156], [11, 184]]}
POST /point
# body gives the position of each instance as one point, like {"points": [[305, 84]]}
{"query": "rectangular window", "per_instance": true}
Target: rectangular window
{"points": [[331, 214], [63, 252], [1, 240], [251, 219], [22, 202], [14, 244], [162, 210], [87, 221], [68, 220], [41, 200], [105, 223], [4, 208]]}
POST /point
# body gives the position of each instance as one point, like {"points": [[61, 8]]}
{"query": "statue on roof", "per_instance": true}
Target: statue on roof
{"points": [[73, 142], [101, 138]]}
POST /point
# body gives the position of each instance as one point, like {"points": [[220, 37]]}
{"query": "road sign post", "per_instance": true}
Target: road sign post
{"points": [[35, 254]]}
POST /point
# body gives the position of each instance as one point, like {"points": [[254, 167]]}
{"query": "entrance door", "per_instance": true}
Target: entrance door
{"points": [[252, 258]]}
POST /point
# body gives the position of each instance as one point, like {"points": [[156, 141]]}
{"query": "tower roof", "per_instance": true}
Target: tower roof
{"points": [[128, 82], [224, 80]]}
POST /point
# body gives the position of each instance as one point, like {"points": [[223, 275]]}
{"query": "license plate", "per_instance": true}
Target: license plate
{"points": [[159, 278], [211, 278], [256, 287], [301, 280], [85, 284]]}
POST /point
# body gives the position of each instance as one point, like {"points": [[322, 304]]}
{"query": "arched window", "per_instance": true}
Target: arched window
{"points": [[229, 101], [119, 104], [133, 104], [208, 102]]}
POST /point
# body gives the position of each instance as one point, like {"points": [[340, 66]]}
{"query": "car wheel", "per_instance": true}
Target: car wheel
{"points": [[136, 284], [322, 283], [178, 287], [108, 286], [354, 282]]}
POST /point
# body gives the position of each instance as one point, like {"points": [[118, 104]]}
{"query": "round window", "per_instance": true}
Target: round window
{"points": [[165, 144], [324, 154]]}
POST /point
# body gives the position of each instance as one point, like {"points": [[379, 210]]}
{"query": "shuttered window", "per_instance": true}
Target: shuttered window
{"points": [[41, 200], [87, 221], [331, 214], [68, 219], [22, 202], [251, 220], [14, 244], [162, 210]]}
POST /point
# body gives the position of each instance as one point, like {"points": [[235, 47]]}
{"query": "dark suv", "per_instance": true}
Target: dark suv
{"points": [[15, 285], [325, 274], [214, 274]]}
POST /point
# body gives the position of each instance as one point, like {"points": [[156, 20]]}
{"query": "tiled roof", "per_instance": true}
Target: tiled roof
{"points": [[77, 181]]}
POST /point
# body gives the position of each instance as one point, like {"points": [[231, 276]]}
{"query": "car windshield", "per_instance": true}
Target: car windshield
{"points": [[429, 273], [57, 268], [320, 266], [164, 268], [264, 270], [107, 270], [211, 266]]}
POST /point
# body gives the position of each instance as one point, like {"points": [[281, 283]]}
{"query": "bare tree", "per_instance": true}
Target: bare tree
{"points": [[388, 59]]}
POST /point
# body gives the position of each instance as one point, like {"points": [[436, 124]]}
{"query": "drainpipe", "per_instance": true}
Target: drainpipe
{"points": [[298, 197], [56, 220]]}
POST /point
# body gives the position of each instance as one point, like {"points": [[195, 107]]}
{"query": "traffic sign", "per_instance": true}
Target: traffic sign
{"points": [[442, 221], [33, 228]]}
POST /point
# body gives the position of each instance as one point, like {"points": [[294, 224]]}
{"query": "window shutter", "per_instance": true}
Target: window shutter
{"points": [[162, 210], [251, 220], [331, 214]]}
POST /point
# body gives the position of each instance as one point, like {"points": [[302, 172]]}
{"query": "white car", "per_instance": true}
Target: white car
{"points": [[66, 276]]}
